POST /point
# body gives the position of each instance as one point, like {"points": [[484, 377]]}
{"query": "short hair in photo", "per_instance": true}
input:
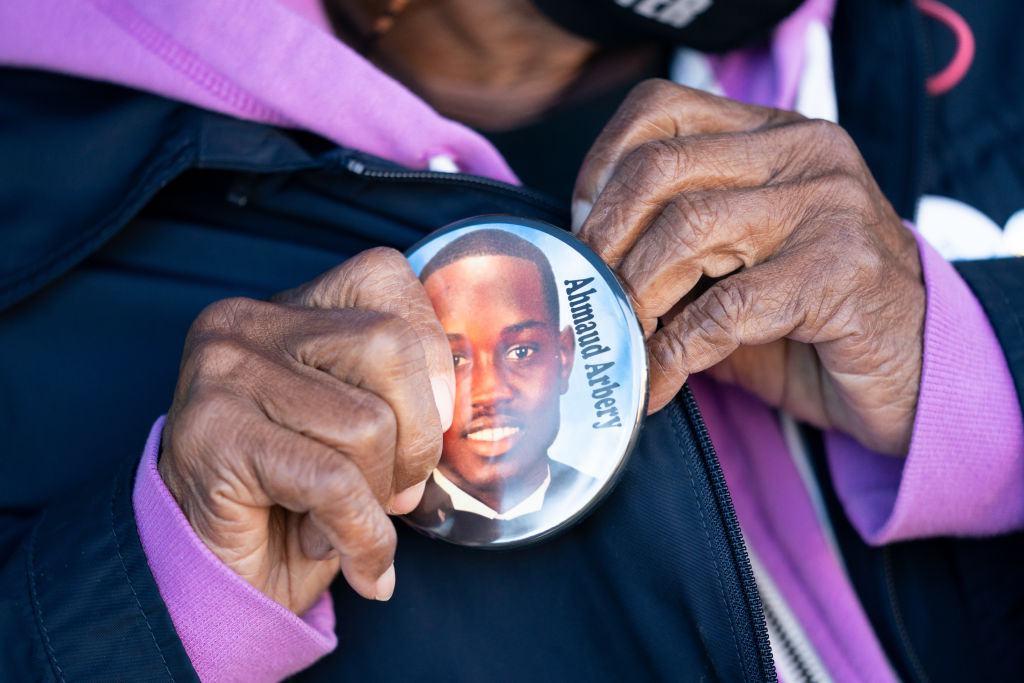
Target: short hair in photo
{"points": [[497, 243]]}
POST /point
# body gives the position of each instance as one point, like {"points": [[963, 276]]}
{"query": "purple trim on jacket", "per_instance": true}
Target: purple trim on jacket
{"points": [[964, 475], [276, 66], [231, 631], [779, 523]]}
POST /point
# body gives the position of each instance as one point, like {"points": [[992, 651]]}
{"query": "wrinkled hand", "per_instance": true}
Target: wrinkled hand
{"points": [[299, 424], [820, 305]]}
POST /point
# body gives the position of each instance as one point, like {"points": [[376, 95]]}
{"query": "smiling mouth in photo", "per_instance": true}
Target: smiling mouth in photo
{"points": [[493, 436], [493, 433]]}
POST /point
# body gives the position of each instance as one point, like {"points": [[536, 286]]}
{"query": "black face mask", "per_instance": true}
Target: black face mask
{"points": [[705, 25]]}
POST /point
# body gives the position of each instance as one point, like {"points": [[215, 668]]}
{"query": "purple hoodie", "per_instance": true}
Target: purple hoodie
{"points": [[964, 474]]}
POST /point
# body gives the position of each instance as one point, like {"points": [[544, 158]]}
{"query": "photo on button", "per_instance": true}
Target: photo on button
{"points": [[550, 380]]}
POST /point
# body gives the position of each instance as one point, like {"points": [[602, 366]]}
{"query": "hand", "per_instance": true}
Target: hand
{"points": [[819, 305], [298, 425]]}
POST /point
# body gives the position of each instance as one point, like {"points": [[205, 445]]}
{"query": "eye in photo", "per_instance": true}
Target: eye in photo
{"points": [[550, 380]]}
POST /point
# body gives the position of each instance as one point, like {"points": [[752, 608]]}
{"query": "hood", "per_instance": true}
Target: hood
{"points": [[272, 61]]}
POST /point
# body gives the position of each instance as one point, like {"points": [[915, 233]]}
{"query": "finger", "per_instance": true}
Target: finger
{"points": [[382, 355], [353, 379], [655, 173], [354, 422], [406, 500], [304, 476], [382, 280], [314, 543], [652, 175], [712, 234], [655, 110], [755, 306]]}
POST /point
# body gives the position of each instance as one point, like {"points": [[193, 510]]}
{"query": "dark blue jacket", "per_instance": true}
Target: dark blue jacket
{"points": [[124, 214], [108, 258]]}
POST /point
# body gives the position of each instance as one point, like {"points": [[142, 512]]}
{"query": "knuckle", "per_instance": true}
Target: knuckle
{"points": [[341, 286], [842, 198], [693, 215], [831, 138], [821, 131], [379, 543], [384, 539], [305, 473], [204, 422], [371, 430], [379, 259], [686, 224], [218, 356], [393, 339], [860, 258], [377, 265], [423, 458], [842, 142], [652, 89], [667, 354], [329, 290], [361, 524], [224, 314], [655, 163], [402, 354], [726, 303], [378, 275], [781, 117], [841, 187]]}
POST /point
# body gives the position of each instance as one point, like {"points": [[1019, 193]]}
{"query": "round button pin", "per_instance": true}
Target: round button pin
{"points": [[550, 380]]}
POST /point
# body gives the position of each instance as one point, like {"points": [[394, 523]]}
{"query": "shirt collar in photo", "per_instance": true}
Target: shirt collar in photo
{"points": [[463, 502]]}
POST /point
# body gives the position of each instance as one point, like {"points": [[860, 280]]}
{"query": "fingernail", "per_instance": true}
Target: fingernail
{"points": [[580, 210], [444, 399], [385, 586], [407, 500]]}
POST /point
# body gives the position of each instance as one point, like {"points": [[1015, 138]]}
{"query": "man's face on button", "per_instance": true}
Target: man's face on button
{"points": [[511, 365]]}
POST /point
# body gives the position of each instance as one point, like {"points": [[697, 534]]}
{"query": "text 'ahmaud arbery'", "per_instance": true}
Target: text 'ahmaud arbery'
{"points": [[589, 342]]}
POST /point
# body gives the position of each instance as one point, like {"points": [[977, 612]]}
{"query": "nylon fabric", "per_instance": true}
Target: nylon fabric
{"points": [[640, 590], [649, 586], [91, 610]]}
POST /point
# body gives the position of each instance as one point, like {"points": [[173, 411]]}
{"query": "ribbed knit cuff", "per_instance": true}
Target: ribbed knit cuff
{"points": [[231, 631], [964, 474]]}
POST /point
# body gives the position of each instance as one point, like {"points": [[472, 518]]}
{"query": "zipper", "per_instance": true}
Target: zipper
{"points": [[363, 169], [785, 650], [792, 650], [734, 536]]}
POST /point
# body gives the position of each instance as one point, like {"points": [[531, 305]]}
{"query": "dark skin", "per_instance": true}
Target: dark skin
{"points": [[492, 65], [511, 366], [286, 449], [822, 312]]}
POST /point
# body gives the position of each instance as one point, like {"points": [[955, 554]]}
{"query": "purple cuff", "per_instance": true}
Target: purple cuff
{"points": [[964, 474], [230, 630]]}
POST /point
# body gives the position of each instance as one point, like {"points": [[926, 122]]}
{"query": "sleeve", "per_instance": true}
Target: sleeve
{"points": [[964, 473], [77, 600], [230, 630]]}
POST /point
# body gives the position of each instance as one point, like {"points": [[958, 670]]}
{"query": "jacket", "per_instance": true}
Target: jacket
{"points": [[250, 196], [94, 612]]}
